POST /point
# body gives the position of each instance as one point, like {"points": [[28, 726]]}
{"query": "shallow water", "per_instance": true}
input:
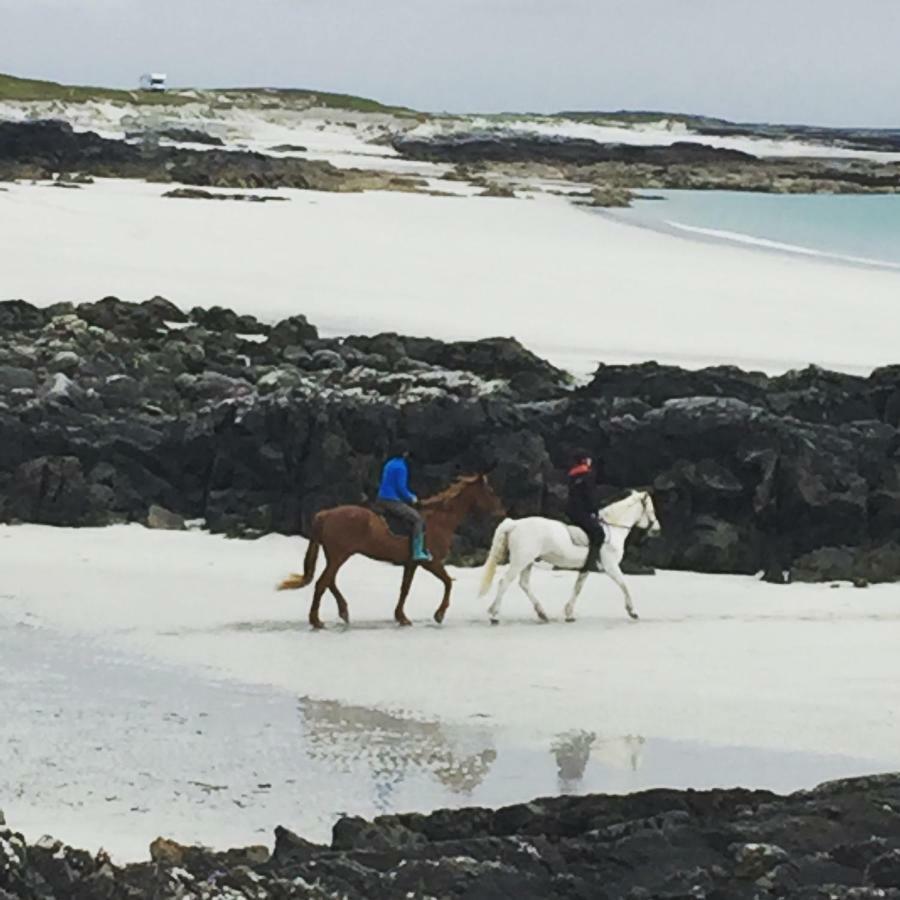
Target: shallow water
{"points": [[862, 229], [103, 748]]}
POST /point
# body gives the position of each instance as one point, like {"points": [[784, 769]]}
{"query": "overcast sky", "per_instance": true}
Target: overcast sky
{"points": [[817, 61]]}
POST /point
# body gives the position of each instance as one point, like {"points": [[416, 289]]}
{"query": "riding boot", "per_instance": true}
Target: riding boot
{"points": [[419, 553], [593, 557]]}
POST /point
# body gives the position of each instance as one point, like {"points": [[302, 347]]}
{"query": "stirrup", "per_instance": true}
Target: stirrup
{"points": [[419, 551]]}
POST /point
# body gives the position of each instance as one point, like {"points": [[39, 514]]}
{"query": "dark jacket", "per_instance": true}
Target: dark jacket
{"points": [[583, 501]]}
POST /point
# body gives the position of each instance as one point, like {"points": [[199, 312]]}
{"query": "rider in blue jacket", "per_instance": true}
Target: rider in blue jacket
{"points": [[394, 494]]}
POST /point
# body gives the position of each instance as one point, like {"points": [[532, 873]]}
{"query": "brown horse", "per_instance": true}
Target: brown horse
{"points": [[347, 530]]}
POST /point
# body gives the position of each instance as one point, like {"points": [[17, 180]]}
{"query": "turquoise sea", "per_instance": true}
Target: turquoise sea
{"points": [[862, 229]]}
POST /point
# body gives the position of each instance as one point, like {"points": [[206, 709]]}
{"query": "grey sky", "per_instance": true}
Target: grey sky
{"points": [[821, 61]]}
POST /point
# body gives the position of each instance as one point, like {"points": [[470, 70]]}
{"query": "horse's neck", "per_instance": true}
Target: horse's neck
{"points": [[624, 514], [449, 516]]}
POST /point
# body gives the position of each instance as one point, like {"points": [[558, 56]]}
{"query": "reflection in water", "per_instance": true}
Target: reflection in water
{"points": [[574, 749], [394, 749]]}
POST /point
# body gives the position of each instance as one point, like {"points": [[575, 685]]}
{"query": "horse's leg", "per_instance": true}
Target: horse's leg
{"points": [[612, 569], [502, 587], [437, 569], [525, 584], [324, 583], [570, 606], [408, 571], [321, 586], [343, 612]]}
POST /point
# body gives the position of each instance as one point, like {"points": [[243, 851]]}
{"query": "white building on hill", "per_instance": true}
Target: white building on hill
{"points": [[154, 81]]}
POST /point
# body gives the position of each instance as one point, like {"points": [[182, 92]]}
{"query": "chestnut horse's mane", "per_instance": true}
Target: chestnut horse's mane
{"points": [[450, 493]]}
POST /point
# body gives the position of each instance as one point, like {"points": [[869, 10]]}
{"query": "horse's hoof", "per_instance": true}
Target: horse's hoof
{"points": [[316, 626], [570, 618], [439, 618], [404, 623], [542, 618], [634, 616], [345, 619], [495, 621]]}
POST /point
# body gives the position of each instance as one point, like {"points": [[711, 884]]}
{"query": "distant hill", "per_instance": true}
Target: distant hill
{"points": [[883, 139], [29, 89]]}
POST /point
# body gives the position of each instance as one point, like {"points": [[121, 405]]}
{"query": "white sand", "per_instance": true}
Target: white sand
{"points": [[149, 683], [345, 131], [573, 285]]}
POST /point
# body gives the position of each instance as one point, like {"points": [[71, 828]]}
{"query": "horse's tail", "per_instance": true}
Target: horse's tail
{"points": [[296, 581], [498, 554]]}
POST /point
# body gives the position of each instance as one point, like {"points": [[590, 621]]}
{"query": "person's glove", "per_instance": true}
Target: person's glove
{"points": [[415, 500]]}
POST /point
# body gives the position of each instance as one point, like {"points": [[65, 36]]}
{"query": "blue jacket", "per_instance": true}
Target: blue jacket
{"points": [[394, 482]]}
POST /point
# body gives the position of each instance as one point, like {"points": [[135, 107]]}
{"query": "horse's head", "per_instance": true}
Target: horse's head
{"points": [[648, 520]]}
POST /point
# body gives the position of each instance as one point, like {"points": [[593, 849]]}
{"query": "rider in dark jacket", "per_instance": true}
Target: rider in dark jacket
{"points": [[583, 507]]}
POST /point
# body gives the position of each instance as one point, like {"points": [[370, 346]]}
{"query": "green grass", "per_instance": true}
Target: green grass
{"points": [[29, 89], [323, 99]]}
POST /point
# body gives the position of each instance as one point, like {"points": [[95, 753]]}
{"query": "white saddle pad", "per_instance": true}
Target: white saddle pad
{"points": [[578, 535]]}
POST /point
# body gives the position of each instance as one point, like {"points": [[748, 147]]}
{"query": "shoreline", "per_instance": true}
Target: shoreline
{"points": [[716, 237]]}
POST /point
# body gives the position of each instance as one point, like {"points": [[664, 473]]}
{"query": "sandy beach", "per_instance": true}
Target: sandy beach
{"points": [[574, 286], [154, 682]]}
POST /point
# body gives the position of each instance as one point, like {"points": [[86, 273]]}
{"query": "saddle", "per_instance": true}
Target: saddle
{"points": [[398, 526]]}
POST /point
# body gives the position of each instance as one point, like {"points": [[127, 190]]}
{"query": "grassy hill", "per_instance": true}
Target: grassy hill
{"points": [[324, 99], [29, 89]]}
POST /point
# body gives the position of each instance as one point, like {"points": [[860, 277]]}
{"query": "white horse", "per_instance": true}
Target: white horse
{"points": [[527, 541]]}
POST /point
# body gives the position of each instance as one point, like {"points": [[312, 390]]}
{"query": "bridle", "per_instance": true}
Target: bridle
{"points": [[645, 498]]}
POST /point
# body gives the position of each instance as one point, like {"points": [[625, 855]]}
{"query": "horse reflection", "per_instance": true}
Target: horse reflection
{"points": [[395, 748], [574, 749]]}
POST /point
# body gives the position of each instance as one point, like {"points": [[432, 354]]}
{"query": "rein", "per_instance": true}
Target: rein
{"points": [[608, 524]]}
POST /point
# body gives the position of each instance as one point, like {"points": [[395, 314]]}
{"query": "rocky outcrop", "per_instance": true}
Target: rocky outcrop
{"points": [[200, 194], [469, 147], [614, 169], [839, 841], [45, 148], [110, 408]]}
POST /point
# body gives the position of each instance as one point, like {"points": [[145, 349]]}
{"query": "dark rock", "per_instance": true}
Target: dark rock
{"points": [[838, 841], [291, 849], [884, 870], [164, 310], [17, 315], [498, 191], [66, 362], [200, 194], [749, 473], [159, 517], [130, 320], [190, 136], [13, 377], [52, 490], [514, 147], [860, 565], [327, 359], [292, 332]]}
